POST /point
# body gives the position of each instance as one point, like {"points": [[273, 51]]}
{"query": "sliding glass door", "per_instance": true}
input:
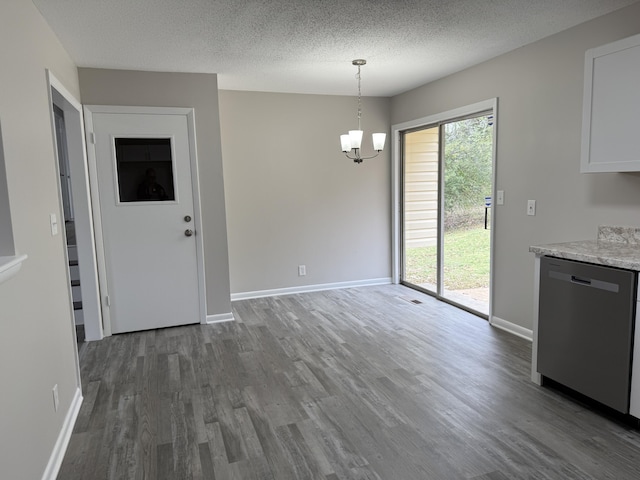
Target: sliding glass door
{"points": [[447, 172]]}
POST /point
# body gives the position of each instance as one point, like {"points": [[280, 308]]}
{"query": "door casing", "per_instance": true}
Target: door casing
{"points": [[396, 179], [83, 214], [93, 179]]}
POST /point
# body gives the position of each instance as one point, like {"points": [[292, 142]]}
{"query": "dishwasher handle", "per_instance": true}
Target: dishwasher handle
{"points": [[581, 281], [586, 282]]}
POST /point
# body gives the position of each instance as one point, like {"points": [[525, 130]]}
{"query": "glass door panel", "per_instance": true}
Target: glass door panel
{"points": [[467, 177], [420, 207]]}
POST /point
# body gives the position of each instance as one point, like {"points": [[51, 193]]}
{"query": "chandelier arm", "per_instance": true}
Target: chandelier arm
{"points": [[358, 157], [372, 156]]}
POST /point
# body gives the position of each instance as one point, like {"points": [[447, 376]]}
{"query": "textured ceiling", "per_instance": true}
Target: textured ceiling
{"points": [[306, 46]]}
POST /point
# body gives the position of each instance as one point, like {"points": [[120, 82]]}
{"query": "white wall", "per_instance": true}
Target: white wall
{"points": [[37, 348], [200, 91], [539, 87], [292, 196]]}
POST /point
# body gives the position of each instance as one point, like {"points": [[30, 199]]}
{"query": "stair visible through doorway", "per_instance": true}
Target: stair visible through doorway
{"points": [[74, 275]]}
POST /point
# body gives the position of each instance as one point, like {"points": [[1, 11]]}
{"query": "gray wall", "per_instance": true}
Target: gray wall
{"points": [[539, 87], [292, 196], [36, 333], [200, 91]]}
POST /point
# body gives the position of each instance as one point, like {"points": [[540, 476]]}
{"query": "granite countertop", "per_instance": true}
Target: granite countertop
{"points": [[615, 247]]}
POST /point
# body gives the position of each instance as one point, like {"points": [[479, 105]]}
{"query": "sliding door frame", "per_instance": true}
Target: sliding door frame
{"points": [[397, 131]]}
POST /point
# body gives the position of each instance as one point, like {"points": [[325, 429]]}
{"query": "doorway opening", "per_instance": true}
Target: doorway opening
{"points": [[445, 184], [69, 223], [73, 171]]}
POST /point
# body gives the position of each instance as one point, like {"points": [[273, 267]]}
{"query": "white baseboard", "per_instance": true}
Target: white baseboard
{"points": [[310, 288], [220, 317], [512, 328], [59, 449]]}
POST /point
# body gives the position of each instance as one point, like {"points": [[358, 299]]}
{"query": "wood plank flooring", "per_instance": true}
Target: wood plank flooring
{"points": [[344, 384]]}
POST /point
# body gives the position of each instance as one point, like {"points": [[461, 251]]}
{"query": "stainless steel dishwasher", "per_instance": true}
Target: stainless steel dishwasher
{"points": [[585, 328]]}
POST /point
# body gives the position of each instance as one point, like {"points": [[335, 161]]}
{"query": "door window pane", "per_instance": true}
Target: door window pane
{"points": [[145, 169]]}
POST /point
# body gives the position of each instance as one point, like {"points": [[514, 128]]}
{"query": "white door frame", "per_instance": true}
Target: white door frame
{"points": [[89, 110], [84, 221], [396, 177]]}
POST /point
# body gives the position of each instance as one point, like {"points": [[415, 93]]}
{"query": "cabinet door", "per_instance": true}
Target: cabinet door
{"points": [[611, 108]]}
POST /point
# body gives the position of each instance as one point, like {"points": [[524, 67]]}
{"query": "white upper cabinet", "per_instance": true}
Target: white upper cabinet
{"points": [[611, 108]]}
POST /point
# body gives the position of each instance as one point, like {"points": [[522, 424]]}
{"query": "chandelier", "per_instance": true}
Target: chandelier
{"points": [[352, 141]]}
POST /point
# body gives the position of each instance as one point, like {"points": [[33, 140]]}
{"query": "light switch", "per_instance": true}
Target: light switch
{"points": [[500, 197], [531, 207], [54, 224]]}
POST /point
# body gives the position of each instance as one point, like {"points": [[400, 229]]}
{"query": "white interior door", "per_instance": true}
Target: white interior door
{"points": [[147, 207]]}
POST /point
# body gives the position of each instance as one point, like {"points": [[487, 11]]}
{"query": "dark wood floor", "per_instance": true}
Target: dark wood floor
{"points": [[345, 384]]}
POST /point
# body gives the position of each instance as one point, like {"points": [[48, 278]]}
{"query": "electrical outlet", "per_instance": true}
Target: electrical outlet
{"points": [[531, 207], [56, 400], [302, 270]]}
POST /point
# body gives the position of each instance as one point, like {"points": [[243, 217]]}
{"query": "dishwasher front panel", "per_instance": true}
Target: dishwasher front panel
{"points": [[585, 328]]}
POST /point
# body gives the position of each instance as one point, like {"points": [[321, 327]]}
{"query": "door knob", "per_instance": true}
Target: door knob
{"points": [[188, 232], [187, 218]]}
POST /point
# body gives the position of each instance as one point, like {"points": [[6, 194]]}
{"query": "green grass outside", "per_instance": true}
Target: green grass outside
{"points": [[466, 260]]}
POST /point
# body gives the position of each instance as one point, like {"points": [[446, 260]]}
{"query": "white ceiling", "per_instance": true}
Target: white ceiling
{"points": [[306, 46]]}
